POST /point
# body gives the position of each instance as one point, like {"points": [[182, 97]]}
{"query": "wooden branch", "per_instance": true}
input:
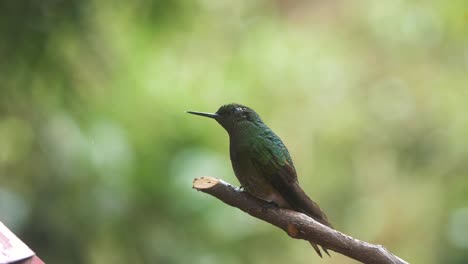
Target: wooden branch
{"points": [[295, 224]]}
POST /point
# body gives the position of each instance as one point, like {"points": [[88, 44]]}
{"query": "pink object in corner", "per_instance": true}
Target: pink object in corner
{"points": [[12, 249]]}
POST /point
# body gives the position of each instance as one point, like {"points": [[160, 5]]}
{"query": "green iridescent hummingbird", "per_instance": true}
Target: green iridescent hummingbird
{"points": [[262, 163]]}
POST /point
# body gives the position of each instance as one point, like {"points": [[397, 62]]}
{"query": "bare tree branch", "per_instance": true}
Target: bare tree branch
{"points": [[295, 224]]}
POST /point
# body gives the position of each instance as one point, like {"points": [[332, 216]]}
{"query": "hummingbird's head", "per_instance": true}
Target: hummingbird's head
{"points": [[233, 116]]}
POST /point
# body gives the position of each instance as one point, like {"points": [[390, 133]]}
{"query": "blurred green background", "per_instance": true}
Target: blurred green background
{"points": [[97, 155]]}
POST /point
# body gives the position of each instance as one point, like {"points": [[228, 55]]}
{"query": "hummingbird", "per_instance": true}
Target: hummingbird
{"points": [[262, 163]]}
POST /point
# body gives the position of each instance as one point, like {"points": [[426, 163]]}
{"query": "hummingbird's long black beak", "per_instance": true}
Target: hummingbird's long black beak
{"points": [[210, 115]]}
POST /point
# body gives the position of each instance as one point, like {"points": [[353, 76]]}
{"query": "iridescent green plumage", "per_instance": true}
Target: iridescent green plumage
{"points": [[262, 163]]}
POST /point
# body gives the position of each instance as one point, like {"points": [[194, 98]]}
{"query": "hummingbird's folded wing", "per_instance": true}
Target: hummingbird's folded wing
{"points": [[273, 162]]}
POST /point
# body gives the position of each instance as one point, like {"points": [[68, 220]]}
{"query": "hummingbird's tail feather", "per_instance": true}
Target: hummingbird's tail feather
{"points": [[317, 249], [326, 251]]}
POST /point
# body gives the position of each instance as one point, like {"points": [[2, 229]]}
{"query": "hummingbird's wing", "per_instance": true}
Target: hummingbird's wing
{"points": [[272, 161]]}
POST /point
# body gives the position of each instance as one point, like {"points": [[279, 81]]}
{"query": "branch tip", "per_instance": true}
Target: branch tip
{"points": [[204, 183]]}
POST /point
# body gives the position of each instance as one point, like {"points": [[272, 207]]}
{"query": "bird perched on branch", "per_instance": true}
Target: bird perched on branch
{"points": [[262, 163]]}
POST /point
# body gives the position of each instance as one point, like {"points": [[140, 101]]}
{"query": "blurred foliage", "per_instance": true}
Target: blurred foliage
{"points": [[97, 156]]}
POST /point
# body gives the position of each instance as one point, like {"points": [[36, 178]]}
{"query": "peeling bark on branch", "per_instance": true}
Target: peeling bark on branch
{"points": [[295, 224]]}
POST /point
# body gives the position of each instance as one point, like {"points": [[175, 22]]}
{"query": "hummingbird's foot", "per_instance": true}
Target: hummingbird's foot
{"points": [[242, 188]]}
